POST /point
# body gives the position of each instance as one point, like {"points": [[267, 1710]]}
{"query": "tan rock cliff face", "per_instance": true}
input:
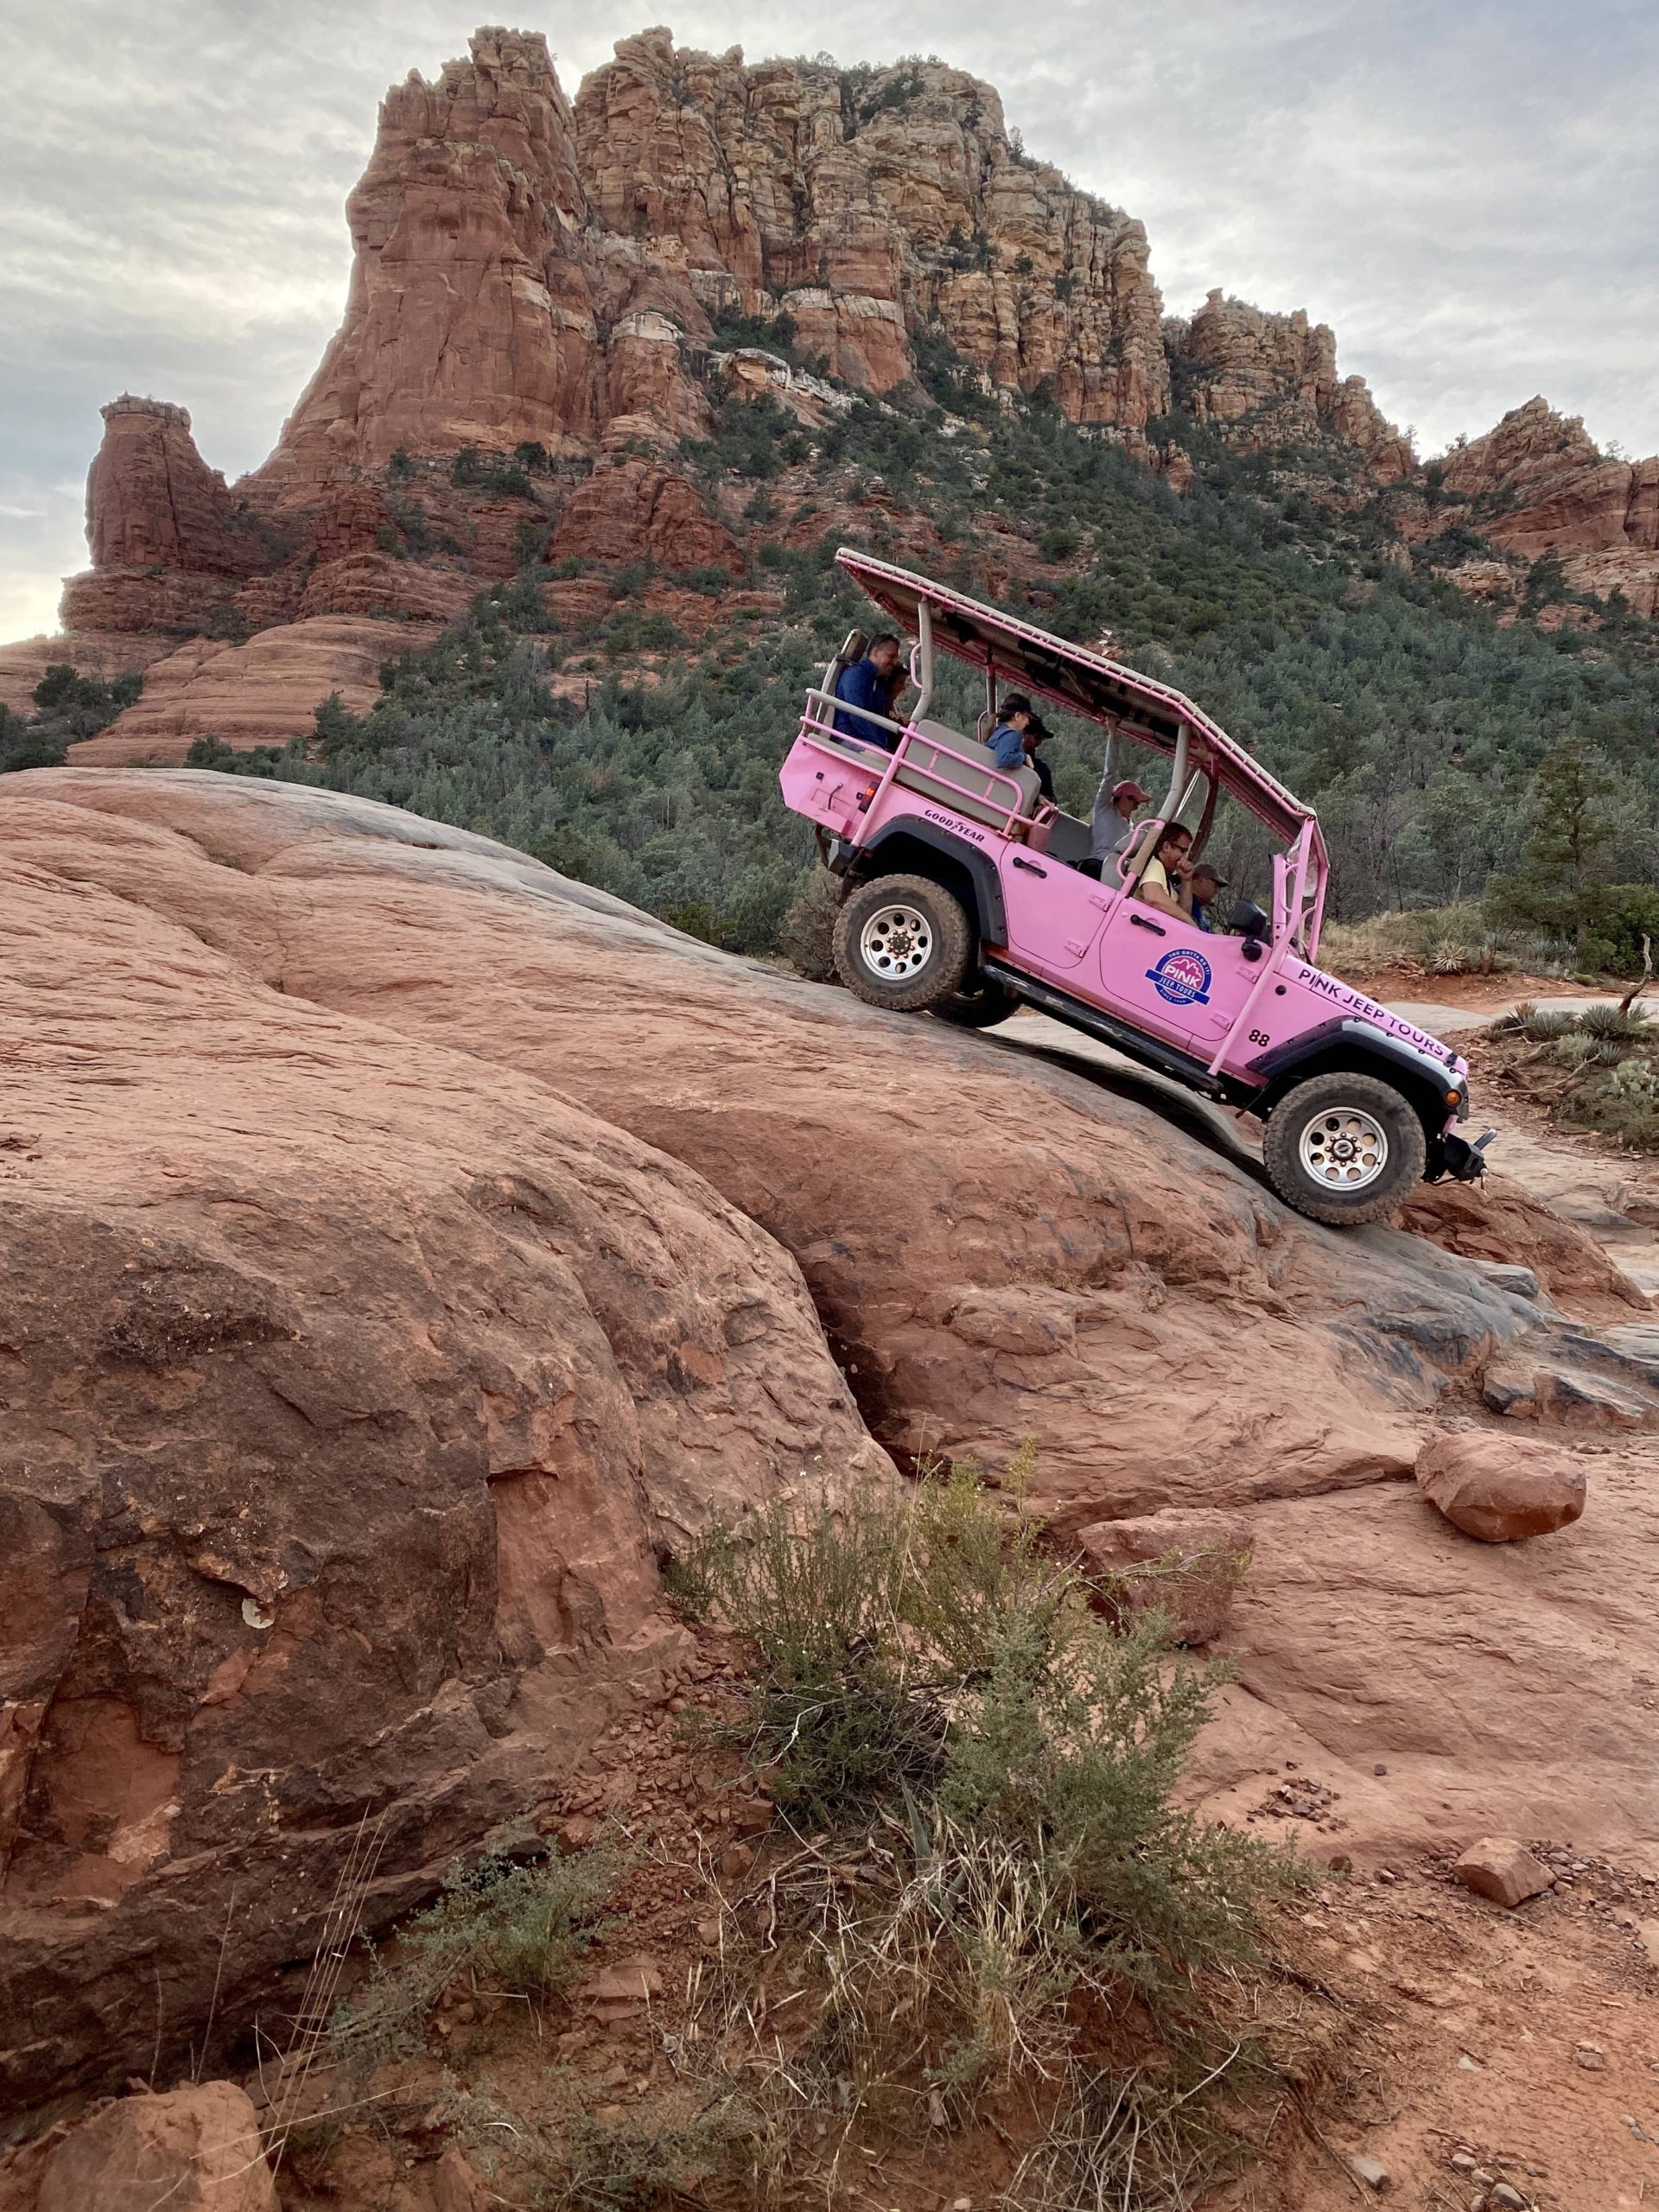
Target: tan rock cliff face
{"points": [[1541, 485]]}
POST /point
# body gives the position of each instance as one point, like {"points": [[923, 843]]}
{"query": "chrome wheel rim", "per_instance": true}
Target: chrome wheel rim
{"points": [[896, 942], [1343, 1149]]}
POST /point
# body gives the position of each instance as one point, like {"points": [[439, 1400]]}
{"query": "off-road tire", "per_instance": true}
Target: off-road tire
{"points": [[979, 1009], [1310, 1122], [917, 917]]}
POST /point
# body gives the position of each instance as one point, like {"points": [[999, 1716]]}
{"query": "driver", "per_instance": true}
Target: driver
{"points": [[1203, 887]]}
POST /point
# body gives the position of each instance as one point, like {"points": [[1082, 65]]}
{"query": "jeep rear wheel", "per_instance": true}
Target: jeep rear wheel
{"points": [[902, 942], [1344, 1148], [978, 1009]]}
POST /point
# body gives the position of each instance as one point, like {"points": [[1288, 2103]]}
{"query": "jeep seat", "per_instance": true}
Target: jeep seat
{"points": [[970, 784]]}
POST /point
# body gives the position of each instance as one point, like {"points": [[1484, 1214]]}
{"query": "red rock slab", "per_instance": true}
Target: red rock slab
{"points": [[352, 1385], [999, 1244], [260, 693], [1507, 1689]]}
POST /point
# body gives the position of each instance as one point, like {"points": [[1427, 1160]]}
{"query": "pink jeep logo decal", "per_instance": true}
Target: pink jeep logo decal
{"points": [[1182, 977]]}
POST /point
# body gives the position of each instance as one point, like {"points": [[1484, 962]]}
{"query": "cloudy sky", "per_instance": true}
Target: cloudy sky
{"points": [[1466, 190]]}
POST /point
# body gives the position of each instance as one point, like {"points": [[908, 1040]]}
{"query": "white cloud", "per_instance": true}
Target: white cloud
{"points": [[1465, 194]]}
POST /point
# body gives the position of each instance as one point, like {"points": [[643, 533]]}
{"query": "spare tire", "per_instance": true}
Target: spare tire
{"points": [[902, 941]]}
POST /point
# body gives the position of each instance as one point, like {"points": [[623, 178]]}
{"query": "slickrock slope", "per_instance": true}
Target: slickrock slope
{"points": [[404, 1241], [351, 1384]]}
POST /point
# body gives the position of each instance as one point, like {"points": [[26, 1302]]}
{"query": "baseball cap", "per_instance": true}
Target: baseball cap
{"points": [[1038, 728], [1202, 868], [1129, 789], [1015, 704]]}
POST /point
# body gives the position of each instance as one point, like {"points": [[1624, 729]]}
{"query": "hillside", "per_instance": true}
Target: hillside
{"points": [[553, 517]]}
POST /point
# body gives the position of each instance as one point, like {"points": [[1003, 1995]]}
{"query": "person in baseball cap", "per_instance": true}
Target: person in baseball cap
{"points": [[1114, 820], [1204, 887], [1019, 730]]}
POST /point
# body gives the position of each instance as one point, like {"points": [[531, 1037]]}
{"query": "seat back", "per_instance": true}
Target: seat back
{"points": [[1068, 839], [973, 784]]}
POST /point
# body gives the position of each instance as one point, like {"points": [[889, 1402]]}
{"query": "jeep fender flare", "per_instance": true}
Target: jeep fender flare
{"points": [[1346, 1044], [902, 848]]}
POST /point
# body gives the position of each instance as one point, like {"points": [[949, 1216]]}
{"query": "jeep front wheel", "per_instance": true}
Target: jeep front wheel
{"points": [[902, 942], [1344, 1148]]}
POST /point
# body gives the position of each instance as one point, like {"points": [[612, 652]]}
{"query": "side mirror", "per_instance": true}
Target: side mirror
{"points": [[1248, 921]]}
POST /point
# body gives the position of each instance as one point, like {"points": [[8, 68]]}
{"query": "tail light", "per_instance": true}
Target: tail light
{"points": [[865, 797]]}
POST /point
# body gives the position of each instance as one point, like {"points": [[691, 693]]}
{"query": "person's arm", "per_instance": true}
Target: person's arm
{"points": [[1045, 777], [1154, 890]]}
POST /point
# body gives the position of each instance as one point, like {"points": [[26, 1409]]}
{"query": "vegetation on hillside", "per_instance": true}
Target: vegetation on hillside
{"points": [[982, 1915], [1417, 724], [67, 706]]}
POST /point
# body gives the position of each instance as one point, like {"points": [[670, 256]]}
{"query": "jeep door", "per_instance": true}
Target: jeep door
{"points": [[1162, 973], [1054, 914]]}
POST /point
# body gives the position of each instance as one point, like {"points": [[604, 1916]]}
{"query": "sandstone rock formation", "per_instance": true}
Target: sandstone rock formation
{"points": [[1184, 1563], [169, 539], [405, 1242], [1271, 381], [260, 693], [194, 2149], [1498, 1487], [1541, 485], [523, 271], [352, 1384]]}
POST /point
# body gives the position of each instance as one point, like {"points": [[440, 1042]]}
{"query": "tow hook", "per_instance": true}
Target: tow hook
{"points": [[1466, 1163]]}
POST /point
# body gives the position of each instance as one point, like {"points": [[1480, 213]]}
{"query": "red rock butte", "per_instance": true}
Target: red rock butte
{"points": [[529, 268]]}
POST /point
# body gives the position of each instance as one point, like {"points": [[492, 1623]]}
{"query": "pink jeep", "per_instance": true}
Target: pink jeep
{"points": [[968, 895]]}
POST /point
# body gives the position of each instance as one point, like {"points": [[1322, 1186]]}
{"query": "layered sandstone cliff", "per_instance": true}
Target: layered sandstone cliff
{"points": [[1268, 380], [1539, 484], [531, 270]]}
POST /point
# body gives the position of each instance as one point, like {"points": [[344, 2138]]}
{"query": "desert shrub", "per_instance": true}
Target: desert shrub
{"points": [[924, 1640], [515, 1929], [806, 938], [990, 1768], [22, 746], [1622, 1103], [575, 2161], [69, 705]]}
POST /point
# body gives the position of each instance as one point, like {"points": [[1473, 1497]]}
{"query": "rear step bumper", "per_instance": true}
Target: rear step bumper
{"points": [[1133, 1044]]}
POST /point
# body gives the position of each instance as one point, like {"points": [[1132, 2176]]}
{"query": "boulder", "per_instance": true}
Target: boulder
{"points": [[194, 2149], [1500, 1488], [1191, 1562], [1497, 1866]]}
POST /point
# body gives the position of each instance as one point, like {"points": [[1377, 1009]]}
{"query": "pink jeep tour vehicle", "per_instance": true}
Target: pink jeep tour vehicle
{"points": [[968, 895]]}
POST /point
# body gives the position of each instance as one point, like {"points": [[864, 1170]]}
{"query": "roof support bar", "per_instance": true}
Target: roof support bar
{"points": [[922, 668]]}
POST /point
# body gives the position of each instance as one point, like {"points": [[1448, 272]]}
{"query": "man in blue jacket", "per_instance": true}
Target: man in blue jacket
{"points": [[872, 683]]}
